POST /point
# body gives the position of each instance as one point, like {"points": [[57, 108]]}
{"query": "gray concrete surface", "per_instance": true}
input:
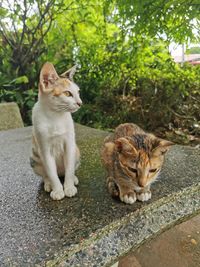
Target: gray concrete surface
{"points": [[10, 117], [91, 229]]}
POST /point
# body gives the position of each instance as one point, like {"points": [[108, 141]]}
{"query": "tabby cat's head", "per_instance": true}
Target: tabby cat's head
{"points": [[59, 93], [141, 157]]}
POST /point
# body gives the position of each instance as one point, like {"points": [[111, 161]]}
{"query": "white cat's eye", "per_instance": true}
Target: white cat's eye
{"points": [[153, 170], [67, 93]]}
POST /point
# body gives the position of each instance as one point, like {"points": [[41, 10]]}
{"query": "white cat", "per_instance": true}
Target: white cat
{"points": [[54, 150]]}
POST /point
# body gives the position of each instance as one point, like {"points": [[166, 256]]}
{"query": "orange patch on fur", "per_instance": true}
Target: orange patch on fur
{"points": [[61, 86], [57, 91]]}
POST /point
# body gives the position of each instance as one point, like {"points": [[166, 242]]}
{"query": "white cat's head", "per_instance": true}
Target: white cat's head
{"points": [[59, 92]]}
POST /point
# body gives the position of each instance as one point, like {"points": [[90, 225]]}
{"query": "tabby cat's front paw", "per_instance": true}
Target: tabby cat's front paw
{"points": [[70, 190], [144, 196], [57, 194], [130, 198]]}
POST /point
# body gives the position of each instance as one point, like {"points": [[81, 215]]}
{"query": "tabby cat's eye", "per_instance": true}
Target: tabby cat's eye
{"points": [[67, 93], [153, 170], [132, 170]]}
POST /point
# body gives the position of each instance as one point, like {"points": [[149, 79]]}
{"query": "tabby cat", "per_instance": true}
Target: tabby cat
{"points": [[54, 150], [133, 159]]}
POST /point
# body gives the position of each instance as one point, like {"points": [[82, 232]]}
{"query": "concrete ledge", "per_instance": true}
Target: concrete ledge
{"points": [[10, 117], [126, 234], [91, 229]]}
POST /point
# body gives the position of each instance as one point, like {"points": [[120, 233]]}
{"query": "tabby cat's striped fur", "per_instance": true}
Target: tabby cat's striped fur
{"points": [[133, 159]]}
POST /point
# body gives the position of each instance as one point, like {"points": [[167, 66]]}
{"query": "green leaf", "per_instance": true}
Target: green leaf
{"points": [[3, 12], [20, 80]]}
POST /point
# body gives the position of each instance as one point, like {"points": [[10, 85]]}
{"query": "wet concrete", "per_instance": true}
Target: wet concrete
{"points": [[90, 229], [177, 247]]}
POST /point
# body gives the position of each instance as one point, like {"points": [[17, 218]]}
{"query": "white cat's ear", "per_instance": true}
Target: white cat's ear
{"points": [[69, 73], [123, 146], [48, 76], [162, 147]]}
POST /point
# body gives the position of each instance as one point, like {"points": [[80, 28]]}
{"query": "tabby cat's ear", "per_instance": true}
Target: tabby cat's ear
{"points": [[162, 147], [69, 73], [125, 147], [48, 76]]}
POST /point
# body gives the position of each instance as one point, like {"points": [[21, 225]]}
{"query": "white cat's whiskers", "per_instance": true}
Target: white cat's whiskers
{"points": [[65, 108]]}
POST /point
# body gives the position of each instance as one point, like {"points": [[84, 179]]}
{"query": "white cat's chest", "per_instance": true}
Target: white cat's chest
{"points": [[57, 146], [52, 125], [58, 128]]}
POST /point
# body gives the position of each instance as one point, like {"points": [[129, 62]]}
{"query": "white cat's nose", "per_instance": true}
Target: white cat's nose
{"points": [[79, 103]]}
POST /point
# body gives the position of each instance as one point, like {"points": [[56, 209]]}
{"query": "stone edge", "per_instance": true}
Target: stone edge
{"points": [[6, 126], [116, 239]]}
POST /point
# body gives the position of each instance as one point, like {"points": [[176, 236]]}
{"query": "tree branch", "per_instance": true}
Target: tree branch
{"points": [[24, 18]]}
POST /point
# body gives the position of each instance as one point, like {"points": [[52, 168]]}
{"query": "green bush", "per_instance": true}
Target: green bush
{"points": [[125, 71]]}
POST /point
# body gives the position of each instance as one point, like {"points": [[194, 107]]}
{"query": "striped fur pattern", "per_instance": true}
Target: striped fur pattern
{"points": [[54, 149], [133, 160]]}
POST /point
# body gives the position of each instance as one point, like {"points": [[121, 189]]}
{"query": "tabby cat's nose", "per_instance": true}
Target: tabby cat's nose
{"points": [[141, 183]]}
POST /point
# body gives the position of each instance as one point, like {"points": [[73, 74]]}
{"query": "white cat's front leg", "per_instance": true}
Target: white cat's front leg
{"points": [[70, 178], [51, 180]]}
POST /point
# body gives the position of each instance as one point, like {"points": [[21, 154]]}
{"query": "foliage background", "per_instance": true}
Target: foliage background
{"points": [[125, 70]]}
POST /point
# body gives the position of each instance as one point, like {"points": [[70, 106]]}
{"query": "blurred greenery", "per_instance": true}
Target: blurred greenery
{"points": [[193, 50], [125, 70]]}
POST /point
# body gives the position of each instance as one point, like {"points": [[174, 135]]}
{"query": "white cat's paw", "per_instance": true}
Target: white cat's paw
{"points": [[70, 190], [145, 196], [128, 199], [47, 187], [76, 181], [57, 194]]}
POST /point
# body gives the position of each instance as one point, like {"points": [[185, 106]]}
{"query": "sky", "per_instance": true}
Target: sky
{"points": [[175, 49]]}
